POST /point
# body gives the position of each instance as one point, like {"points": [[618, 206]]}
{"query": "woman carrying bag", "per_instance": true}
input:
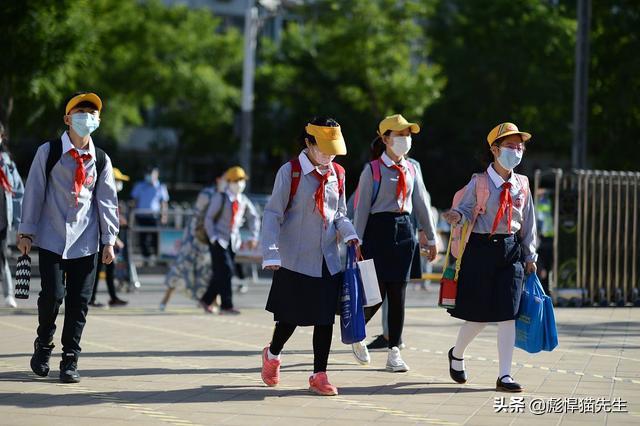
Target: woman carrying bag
{"points": [[388, 192], [492, 269], [301, 221]]}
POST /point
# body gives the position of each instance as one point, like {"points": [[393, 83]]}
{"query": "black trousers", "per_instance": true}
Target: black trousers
{"points": [[321, 343], [395, 293], [222, 265], [71, 281], [148, 240], [5, 273], [110, 270]]}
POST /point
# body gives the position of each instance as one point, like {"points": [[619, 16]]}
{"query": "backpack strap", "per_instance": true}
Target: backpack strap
{"points": [[524, 183], [296, 175], [216, 218], [482, 193], [377, 178], [55, 152]]}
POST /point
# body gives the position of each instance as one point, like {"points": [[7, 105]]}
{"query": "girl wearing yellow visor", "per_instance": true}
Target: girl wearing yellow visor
{"points": [[301, 222]]}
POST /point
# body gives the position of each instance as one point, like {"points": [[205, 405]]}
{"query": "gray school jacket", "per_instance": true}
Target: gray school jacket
{"points": [[13, 202], [296, 239], [386, 200], [50, 213], [220, 230], [523, 217]]}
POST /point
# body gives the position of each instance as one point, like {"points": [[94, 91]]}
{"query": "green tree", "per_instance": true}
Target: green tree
{"points": [[356, 61], [504, 60], [614, 85]]}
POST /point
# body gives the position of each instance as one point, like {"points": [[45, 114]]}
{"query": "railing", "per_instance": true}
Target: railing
{"points": [[599, 210]]}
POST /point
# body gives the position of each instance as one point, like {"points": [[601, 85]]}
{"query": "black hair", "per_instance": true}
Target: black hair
{"points": [[317, 121], [378, 146], [83, 104]]}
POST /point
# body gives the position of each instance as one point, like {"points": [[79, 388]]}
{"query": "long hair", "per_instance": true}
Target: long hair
{"points": [[378, 146]]}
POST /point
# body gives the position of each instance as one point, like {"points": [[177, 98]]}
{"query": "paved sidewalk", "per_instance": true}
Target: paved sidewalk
{"points": [[183, 367]]}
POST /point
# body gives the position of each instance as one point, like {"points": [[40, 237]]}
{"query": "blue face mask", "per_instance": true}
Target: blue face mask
{"points": [[84, 123], [509, 158]]}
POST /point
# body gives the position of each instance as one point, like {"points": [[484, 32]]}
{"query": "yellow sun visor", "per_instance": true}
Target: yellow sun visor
{"points": [[329, 139]]}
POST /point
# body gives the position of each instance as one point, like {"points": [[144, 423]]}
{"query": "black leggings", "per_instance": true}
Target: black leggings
{"points": [[321, 342], [395, 291]]}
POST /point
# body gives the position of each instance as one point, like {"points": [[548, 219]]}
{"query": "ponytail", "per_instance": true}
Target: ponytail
{"points": [[378, 147]]}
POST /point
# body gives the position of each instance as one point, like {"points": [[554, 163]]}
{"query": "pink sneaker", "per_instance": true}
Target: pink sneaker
{"points": [[270, 369], [319, 384]]}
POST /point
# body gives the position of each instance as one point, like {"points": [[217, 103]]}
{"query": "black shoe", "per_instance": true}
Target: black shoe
{"points": [[378, 343], [69, 369], [117, 302], [40, 358], [457, 376], [96, 304], [508, 387]]}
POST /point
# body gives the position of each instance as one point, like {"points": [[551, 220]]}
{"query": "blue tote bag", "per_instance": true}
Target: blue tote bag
{"points": [[352, 326], [550, 335], [529, 323]]}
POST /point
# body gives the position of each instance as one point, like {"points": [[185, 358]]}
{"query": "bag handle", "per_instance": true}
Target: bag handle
{"points": [[463, 237]]}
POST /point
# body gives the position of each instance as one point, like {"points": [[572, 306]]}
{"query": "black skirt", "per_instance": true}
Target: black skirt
{"points": [[299, 299], [490, 280], [389, 239]]}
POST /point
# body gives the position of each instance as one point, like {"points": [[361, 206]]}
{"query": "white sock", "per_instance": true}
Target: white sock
{"points": [[467, 333], [506, 342], [272, 356]]}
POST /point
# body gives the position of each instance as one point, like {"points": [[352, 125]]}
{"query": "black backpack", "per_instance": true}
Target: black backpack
{"points": [[55, 152]]}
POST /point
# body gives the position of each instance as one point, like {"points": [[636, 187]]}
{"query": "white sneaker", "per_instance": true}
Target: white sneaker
{"points": [[10, 302], [361, 353], [395, 362]]}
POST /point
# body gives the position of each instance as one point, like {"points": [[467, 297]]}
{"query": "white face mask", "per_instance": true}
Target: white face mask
{"points": [[400, 145], [321, 158], [237, 187]]}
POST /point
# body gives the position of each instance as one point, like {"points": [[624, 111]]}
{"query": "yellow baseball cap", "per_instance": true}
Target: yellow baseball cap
{"points": [[329, 139], [234, 174], [506, 129], [118, 175], [83, 97], [396, 122]]}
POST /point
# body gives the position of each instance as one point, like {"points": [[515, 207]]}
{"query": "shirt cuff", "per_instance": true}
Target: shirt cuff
{"points": [[109, 240], [351, 237], [272, 262], [27, 228], [223, 243], [531, 257]]}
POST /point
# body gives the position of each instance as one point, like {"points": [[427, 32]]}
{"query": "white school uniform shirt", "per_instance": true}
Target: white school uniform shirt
{"points": [[220, 231], [297, 239], [523, 218], [49, 211], [387, 201]]}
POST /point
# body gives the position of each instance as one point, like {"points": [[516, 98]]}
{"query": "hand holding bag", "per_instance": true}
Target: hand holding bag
{"points": [[23, 277]]}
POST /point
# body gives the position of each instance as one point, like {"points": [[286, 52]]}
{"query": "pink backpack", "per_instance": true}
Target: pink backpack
{"points": [[377, 178], [460, 233]]}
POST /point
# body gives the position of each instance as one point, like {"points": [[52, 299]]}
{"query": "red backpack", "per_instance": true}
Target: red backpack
{"points": [[296, 175]]}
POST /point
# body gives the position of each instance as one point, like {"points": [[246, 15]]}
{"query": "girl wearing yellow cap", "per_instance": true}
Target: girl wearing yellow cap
{"points": [[301, 223], [501, 248], [389, 191]]}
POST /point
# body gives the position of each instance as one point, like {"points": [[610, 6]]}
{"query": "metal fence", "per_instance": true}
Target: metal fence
{"points": [[595, 241]]}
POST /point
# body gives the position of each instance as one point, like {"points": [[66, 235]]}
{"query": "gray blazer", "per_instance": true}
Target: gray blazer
{"points": [[297, 239]]}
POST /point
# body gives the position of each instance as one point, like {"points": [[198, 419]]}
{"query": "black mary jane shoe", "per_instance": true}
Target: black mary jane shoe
{"points": [[457, 376], [508, 387]]}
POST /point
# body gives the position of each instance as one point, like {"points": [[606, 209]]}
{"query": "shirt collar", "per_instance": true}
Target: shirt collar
{"points": [[498, 180], [307, 166], [233, 197], [389, 162], [67, 146]]}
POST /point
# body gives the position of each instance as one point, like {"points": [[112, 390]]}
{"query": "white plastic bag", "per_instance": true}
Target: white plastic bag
{"points": [[369, 283]]}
